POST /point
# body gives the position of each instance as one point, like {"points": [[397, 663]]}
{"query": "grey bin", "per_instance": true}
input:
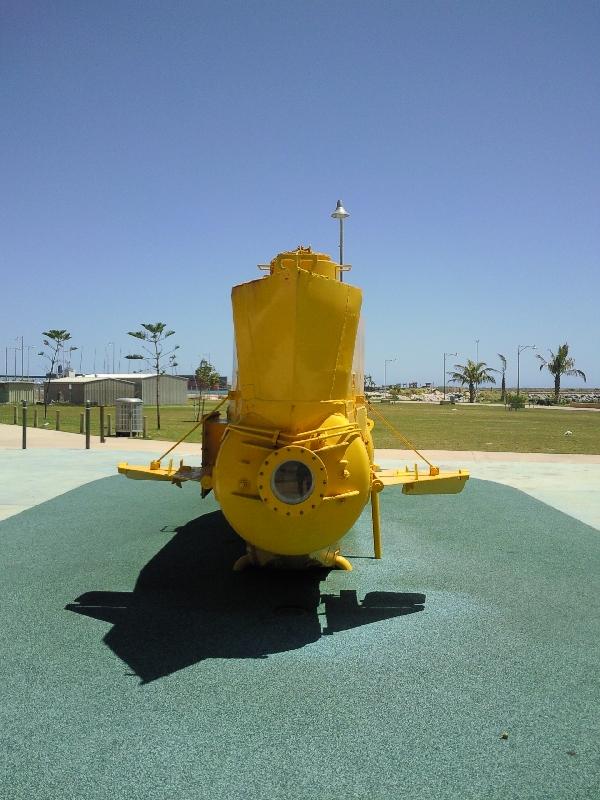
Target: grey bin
{"points": [[129, 416]]}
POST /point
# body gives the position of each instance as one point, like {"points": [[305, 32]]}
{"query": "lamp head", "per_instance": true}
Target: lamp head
{"points": [[340, 212]]}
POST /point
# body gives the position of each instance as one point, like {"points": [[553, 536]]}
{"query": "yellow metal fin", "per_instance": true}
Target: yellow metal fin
{"points": [[156, 473], [415, 482]]}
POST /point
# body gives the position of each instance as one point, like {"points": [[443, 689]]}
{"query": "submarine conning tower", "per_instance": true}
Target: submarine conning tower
{"points": [[298, 361]]}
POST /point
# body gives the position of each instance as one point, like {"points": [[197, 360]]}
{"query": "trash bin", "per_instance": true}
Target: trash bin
{"points": [[129, 416]]}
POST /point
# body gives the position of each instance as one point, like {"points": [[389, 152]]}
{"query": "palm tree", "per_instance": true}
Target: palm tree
{"points": [[472, 374], [560, 364], [503, 370]]}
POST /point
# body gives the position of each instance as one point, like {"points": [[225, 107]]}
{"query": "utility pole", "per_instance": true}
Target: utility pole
{"points": [[446, 354], [477, 361], [520, 349], [28, 347]]}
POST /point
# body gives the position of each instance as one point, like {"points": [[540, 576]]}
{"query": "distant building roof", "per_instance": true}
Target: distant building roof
{"points": [[120, 376], [90, 378]]}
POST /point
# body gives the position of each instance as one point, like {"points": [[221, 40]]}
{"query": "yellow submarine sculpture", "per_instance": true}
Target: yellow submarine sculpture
{"points": [[292, 465]]}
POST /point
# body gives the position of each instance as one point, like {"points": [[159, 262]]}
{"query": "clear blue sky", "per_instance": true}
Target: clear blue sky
{"points": [[152, 153]]}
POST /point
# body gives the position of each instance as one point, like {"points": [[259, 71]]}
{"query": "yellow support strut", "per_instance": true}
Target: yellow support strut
{"points": [[412, 482], [376, 518]]}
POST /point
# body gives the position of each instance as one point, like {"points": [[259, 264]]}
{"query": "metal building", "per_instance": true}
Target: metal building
{"points": [[172, 389], [17, 391], [99, 390], [102, 389]]}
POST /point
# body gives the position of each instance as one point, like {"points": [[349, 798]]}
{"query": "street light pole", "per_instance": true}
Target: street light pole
{"points": [[28, 347], [341, 214], [520, 349], [477, 362], [446, 354]]}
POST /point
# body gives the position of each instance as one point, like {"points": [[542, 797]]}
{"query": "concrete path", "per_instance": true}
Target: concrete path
{"points": [[56, 462], [569, 483], [43, 439]]}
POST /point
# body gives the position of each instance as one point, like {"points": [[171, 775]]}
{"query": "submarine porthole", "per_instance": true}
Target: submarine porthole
{"points": [[292, 482]]}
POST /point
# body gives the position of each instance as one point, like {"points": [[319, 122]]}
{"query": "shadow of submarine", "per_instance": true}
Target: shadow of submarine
{"points": [[188, 605]]}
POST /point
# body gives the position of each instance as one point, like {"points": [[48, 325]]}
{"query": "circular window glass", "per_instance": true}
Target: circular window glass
{"points": [[292, 482]]}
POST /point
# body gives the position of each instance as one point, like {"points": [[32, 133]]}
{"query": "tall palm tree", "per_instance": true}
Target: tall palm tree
{"points": [[503, 371], [560, 364], [472, 374]]}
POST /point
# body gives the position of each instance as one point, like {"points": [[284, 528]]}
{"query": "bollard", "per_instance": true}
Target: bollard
{"points": [[145, 434], [35, 417], [87, 425], [24, 421], [14, 415], [102, 439], [58, 420], [81, 423], [108, 425]]}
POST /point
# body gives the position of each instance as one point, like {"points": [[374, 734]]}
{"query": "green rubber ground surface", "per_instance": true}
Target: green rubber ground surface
{"points": [[135, 664]]}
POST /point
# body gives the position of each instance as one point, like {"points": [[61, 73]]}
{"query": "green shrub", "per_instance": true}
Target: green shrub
{"points": [[515, 401]]}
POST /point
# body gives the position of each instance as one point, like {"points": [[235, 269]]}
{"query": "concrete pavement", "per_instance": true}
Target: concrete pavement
{"points": [[56, 462]]}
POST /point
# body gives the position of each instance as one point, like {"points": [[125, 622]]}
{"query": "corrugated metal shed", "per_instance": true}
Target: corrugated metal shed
{"points": [[172, 390], [105, 389], [98, 390], [17, 391], [65, 390]]}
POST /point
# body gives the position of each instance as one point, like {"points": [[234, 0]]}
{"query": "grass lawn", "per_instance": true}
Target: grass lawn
{"points": [[490, 428], [431, 427]]}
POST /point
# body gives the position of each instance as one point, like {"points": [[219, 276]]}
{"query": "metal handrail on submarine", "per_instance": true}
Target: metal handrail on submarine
{"points": [[292, 465]]}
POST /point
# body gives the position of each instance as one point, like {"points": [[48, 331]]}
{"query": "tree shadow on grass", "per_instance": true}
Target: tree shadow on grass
{"points": [[188, 605]]}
